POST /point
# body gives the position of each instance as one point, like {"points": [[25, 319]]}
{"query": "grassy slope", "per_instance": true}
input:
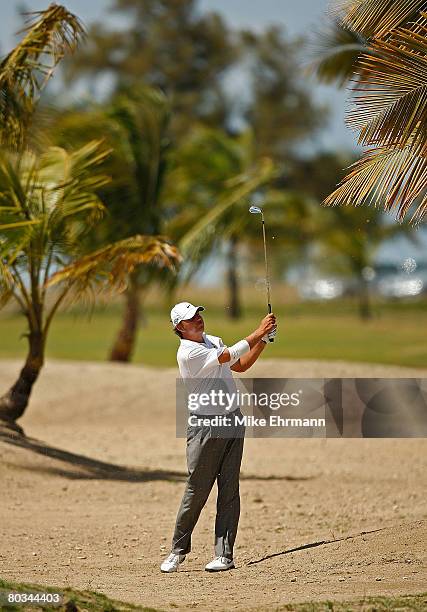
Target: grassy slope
{"points": [[94, 602], [82, 600]]}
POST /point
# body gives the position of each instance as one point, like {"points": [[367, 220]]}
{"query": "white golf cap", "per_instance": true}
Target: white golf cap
{"points": [[183, 311]]}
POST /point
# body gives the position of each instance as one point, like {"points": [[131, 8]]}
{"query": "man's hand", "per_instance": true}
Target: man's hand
{"points": [[267, 325], [266, 328], [272, 334]]}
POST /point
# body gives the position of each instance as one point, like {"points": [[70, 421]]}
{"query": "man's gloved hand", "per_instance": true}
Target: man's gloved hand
{"points": [[271, 334]]}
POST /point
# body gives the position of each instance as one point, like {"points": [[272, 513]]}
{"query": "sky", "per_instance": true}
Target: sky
{"points": [[297, 17]]}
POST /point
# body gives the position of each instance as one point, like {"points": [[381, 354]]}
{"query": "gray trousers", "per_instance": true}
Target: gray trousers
{"points": [[211, 456]]}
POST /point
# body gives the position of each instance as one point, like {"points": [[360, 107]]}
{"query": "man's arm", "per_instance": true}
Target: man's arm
{"points": [[267, 325], [248, 360]]}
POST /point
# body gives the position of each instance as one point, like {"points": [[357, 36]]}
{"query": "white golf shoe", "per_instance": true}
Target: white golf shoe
{"points": [[220, 564], [171, 563]]}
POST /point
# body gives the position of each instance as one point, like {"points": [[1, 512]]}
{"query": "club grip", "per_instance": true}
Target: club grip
{"points": [[269, 312]]}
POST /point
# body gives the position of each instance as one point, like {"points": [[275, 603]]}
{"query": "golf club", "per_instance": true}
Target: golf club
{"points": [[256, 210]]}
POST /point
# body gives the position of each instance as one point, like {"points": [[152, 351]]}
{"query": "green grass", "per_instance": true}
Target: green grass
{"points": [[396, 335], [403, 603], [97, 602], [72, 600]]}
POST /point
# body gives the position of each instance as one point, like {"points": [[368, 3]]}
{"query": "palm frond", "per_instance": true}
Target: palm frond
{"points": [[241, 186], [390, 105], [16, 219], [335, 53], [140, 118], [6, 283], [70, 182], [109, 268], [376, 18], [16, 224], [24, 72], [59, 183], [392, 178], [48, 203]]}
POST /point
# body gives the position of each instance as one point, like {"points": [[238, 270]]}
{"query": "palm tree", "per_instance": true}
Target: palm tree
{"points": [[26, 70], [354, 235], [49, 201], [140, 118], [134, 125], [389, 109], [209, 190], [48, 205]]}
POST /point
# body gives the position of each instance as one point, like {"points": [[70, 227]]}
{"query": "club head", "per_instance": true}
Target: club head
{"points": [[255, 210]]}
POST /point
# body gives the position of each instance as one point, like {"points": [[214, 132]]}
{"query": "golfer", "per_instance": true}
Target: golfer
{"points": [[210, 456]]}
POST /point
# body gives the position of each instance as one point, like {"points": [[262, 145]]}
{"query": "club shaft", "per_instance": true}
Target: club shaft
{"points": [[267, 276]]}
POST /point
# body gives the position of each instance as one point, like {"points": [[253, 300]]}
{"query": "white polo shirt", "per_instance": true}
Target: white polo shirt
{"points": [[198, 363]]}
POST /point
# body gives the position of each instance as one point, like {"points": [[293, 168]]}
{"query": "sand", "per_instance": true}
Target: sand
{"points": [[89, 499]]}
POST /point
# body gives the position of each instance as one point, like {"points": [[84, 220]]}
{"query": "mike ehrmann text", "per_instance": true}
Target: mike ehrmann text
{"points": [[251, 421]]}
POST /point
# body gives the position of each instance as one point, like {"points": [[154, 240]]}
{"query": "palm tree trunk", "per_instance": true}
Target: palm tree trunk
{"points": [[15, 401], [125, 341], [234, 310]]}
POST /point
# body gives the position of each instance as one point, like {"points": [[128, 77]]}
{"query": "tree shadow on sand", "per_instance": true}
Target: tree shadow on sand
{"points": [[81, 467]]}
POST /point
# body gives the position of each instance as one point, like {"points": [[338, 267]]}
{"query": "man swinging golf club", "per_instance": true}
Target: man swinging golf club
{"points": [[201, 358]]}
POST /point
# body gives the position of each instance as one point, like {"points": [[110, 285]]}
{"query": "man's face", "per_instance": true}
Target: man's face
{"points": [[193, 327]]}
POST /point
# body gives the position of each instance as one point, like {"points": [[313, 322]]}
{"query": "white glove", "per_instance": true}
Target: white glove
{"points": [[271, 334]]}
